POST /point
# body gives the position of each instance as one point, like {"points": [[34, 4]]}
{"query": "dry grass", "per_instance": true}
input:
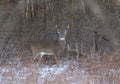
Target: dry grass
{"points": [[91, 69]]}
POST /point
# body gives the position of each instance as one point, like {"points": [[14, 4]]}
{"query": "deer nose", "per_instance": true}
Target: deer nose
{"points": [[61, 36]]}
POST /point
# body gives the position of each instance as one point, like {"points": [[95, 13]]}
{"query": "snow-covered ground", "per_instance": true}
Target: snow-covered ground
{"points": [[69, 72]]}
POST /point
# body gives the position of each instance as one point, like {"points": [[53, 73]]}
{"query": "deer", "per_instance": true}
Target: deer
{"points": [[48, 47]]}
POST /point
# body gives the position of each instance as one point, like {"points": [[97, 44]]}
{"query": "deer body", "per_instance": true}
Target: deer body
{"points": [[48, 47]]}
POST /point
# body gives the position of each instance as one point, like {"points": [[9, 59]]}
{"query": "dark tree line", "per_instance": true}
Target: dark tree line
{"points": [[94, 24]]}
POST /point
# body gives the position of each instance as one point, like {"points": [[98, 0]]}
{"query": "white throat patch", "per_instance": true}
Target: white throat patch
{"points": [[62, 39]]}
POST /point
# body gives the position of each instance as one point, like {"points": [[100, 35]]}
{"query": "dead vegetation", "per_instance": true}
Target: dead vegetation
{"points": [[23, 21], [94, 28]]}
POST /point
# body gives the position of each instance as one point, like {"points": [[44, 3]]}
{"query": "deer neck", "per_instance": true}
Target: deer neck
{"points": [[62, 43]]}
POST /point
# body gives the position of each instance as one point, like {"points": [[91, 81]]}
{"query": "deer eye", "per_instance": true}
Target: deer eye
{"points": [[61, 36]]}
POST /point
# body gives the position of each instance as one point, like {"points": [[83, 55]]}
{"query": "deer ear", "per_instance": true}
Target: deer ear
{"points": [[68, 27], [66, 30], [58, 32], [55, 27]]}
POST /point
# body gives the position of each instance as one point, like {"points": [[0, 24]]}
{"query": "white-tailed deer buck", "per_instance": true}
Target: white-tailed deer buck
{"points": [[46, 47]]}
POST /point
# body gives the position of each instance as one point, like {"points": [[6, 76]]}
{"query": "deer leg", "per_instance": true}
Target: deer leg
{"points": [[43, 53], [56, 58], [36, 56]]}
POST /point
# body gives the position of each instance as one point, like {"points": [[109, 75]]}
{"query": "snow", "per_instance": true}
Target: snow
{"points": [[45, 71], [66, 73]]}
